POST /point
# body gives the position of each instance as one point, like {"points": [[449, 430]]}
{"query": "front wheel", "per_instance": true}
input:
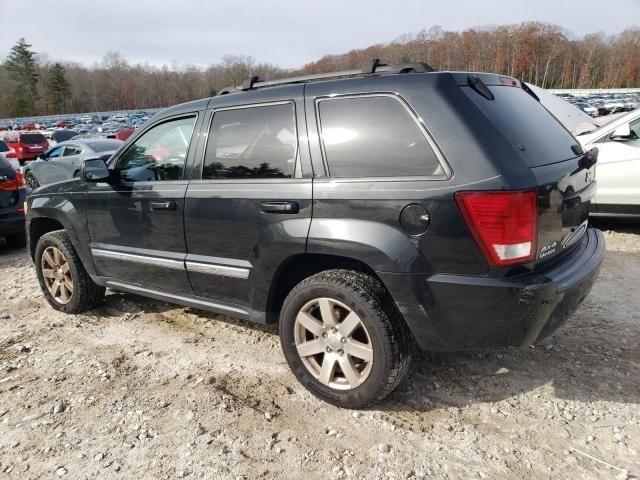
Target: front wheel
{"points": [[64, 281], [343, 338]]}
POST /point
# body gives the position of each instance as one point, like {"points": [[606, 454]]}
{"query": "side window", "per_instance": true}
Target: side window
{"points": [[159, 154], [56, 152], [72, 150], [374, 136], [254, 142]]}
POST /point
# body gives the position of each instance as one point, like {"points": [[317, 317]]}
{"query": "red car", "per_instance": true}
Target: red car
{"points": [[26, 146]]}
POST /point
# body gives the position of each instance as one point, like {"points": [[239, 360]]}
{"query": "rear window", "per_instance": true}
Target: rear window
{"points": [[3, 146], [32, 138], [374, 136], [524, 122]]}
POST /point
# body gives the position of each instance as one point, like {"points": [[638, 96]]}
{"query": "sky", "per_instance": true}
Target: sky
{"points": [[287, 33]]}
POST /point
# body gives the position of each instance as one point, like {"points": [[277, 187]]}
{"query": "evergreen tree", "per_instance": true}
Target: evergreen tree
{"points": [[58, 88], [21, 68]]}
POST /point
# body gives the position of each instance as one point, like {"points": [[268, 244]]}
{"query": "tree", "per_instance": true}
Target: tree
{"points": [[58, 88], [21, 68]]}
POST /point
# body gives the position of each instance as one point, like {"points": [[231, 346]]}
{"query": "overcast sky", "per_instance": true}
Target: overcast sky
{"points": [[288, 33]]}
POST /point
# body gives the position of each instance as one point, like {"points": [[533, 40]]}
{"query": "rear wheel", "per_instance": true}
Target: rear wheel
{"points": [[65, 283], [31, 180], [344, 339]]}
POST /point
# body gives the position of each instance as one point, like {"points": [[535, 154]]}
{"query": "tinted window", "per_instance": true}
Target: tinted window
{"points": [[3, 146], [374, 137], [32, 138], [523, 121], [256, 142], [159, 154]]}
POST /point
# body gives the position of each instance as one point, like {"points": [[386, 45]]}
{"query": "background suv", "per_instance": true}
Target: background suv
{"points": [[12, 196], [363, 210], [26, 146]]}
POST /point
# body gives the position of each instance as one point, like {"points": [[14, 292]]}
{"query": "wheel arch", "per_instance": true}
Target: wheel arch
{"points": [[297, 267]]}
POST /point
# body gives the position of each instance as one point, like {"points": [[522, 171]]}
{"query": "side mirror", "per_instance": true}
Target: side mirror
{"points": [[95, 170], [622, 133]]}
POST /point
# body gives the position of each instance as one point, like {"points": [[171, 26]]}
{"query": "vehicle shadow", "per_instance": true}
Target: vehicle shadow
{"points": [[593, 357], [620, 225]]}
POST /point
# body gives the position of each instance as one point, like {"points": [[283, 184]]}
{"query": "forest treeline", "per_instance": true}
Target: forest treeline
{"points": [[540, 53]]}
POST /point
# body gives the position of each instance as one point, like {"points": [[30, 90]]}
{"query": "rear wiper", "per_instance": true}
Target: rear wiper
{"points": [[587, 161], [478, 85]]}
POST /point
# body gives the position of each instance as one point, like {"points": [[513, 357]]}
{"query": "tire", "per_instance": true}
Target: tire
{"points": [[31, 180], [17, 240], [84, 295], [381, 330]]}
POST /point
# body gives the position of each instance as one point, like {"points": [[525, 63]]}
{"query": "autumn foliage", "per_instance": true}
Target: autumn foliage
{"points": [[540, 53]]}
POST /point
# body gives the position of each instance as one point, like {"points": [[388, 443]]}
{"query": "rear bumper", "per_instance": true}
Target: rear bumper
{"points": [[454, 312]]}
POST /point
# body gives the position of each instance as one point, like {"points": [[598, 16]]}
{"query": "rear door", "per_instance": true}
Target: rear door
{"points": [[248, 206]]}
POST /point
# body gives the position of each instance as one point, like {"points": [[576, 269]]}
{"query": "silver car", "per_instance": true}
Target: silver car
{"points": [[63, 161]]}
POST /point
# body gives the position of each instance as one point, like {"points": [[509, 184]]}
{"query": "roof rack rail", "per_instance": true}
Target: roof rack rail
{"points": [[372, 67]]}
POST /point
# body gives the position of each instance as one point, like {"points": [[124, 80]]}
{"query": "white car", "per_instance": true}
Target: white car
{"points": [[618, 169]]}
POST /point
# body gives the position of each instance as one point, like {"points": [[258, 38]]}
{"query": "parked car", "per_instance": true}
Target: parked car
{"points": [[12, 196], [362, 213], [63, 135], [26, 146], [63, 162], [618, 169]]}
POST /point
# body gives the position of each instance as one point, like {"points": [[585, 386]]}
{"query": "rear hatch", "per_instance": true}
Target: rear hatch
{"points": [[33, 142], [549, 150]]}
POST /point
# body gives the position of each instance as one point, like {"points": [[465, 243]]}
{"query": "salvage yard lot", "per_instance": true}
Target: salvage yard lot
{"points": [[143, 389]]}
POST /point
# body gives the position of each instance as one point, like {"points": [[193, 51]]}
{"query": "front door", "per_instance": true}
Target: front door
{"points": [[136, 219], [252, 207]]}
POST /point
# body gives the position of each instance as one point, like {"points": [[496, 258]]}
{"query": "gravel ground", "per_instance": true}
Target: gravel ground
{"points": [[143, 389]]}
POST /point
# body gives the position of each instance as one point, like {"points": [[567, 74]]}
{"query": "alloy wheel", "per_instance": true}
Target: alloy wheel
{"points": [[57, 275], [333, 343]]}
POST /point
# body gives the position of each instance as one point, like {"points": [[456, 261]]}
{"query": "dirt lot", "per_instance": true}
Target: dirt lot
{"points": [[142, 389]]}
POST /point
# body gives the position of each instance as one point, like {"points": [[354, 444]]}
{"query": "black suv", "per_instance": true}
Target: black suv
{"points": [[364, 211]]}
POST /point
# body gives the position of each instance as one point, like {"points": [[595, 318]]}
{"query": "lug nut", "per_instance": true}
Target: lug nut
{"points": [[328, 349], [334, 329], [343, 340], [324, 335], [341, 352]]}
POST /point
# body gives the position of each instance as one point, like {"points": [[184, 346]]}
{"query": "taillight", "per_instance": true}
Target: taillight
{"points": [[504, 224], [8, 185], [20, 180]]}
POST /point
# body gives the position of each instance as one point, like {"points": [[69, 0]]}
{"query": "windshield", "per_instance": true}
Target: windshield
{"points": [[32, 138]]}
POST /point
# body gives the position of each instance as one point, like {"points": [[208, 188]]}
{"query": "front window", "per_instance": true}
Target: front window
{"points": [[159, 154]]}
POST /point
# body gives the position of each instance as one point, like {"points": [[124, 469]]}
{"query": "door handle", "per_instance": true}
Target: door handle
{"points": [[280, 207], [171, 205]]}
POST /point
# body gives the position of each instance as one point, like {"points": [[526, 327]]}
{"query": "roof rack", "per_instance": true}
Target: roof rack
{"points": [[372, 67]]}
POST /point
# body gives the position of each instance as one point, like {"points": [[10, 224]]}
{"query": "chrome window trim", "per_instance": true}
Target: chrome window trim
{"points": [[296, 167], [448, 173]]}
